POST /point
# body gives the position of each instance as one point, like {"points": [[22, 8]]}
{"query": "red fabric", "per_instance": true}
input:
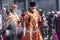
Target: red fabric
{"points": [[58, 24], [55, 36], [4, 37], [23, 38], [39, 24]]}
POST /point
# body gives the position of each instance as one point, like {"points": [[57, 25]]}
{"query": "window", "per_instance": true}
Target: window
{"points": [[0, 4], [20, 4], [5, 3], [47, 5]]}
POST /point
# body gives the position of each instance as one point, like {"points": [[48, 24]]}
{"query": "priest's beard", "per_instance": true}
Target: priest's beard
{"points": [[32, 10], [14, 12]]}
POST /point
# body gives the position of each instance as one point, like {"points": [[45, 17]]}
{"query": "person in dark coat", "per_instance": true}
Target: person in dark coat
{"points": [[58, 26], [50, 19]]}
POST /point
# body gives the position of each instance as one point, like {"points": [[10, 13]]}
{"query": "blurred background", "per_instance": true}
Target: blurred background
{"points": [[46, 5]]}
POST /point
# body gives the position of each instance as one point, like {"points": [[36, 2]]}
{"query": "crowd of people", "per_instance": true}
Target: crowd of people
{"points": [[32, 24]]}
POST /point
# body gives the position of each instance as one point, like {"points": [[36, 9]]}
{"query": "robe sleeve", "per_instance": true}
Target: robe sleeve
{"points": [[39, 20], [26, 18]]}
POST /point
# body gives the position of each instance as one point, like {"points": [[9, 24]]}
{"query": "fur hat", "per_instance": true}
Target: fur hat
{"points": [[32, 3]]}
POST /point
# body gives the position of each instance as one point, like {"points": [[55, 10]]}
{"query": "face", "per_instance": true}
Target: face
{"points": [[53, 14], [14, 11], [33, 8], [15, 8], [3, 10]]}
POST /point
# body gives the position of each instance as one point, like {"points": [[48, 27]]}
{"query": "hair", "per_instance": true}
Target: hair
{"points": [[11, 10], [14, 6]]}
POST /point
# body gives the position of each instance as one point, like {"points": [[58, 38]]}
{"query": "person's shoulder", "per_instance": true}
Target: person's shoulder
{"points": [[36, 12]]}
